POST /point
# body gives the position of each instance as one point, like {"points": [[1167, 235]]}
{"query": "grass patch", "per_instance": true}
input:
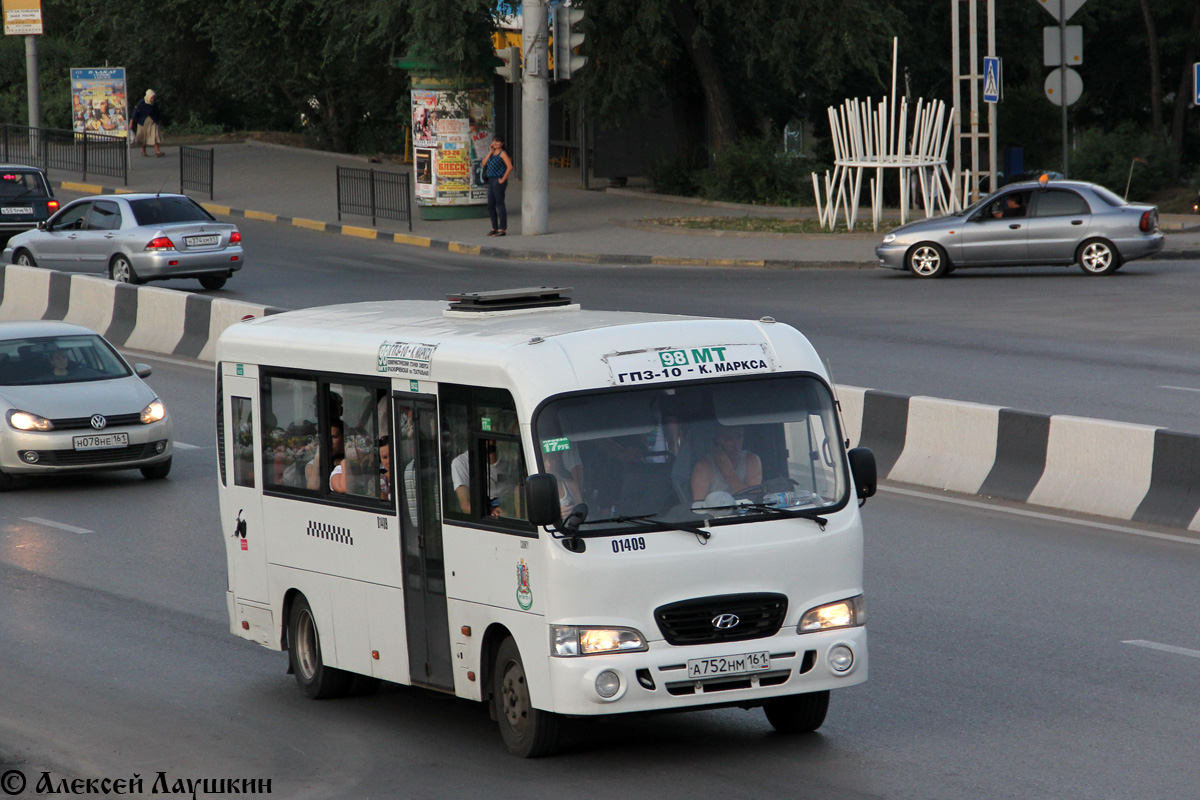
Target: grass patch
{"points": [[759, 225]]}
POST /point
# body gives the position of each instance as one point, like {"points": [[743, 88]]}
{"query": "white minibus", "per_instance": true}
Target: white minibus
{"points": [[556, 512]]}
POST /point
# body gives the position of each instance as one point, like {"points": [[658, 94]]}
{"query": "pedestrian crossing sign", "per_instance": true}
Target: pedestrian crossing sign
{"points": [[991, 80]]}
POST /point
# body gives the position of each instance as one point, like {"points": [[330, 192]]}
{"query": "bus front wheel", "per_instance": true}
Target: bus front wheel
{"points": [[304, 652], [797, 713], [528, 732]]}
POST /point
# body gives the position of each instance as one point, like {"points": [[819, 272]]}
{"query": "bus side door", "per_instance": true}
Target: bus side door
{"points": [[245, 534], [415, 465]]}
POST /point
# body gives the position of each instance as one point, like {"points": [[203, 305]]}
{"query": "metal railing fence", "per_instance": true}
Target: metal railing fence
{"points": [[196, 170], [54, 148], [371, 193]]}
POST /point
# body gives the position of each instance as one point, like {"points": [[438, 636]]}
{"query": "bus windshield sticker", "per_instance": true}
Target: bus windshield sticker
{"points": [[684, 363], [405, 358], [558, 445]]}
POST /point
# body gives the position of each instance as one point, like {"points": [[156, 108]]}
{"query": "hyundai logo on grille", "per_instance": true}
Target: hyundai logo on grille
{"points": [[98, 421], [725, 621]]}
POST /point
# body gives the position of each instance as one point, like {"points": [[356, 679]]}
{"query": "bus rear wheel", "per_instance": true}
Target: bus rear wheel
{"points": [[797, 713], [528, 732], [304, 653]]}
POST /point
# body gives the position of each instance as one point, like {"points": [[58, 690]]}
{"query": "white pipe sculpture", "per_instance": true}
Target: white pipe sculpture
{"points": [[868, 138]]}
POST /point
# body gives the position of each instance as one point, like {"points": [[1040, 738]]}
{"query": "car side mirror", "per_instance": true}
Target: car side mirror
{"points": [[862, 465], [142, 370], [541, 493], [41, 225]]}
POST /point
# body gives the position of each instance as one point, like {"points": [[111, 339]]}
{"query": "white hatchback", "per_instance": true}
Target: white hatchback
{"points": [[71, 403]]}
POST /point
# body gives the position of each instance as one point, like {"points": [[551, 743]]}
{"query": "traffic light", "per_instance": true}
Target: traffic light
{"points": [[566, 39], [510, 70]]}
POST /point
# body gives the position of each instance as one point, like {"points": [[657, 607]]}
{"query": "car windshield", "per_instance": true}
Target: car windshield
{"points": [[58, 359], [167, 209], [728, 451], [21, 184]]}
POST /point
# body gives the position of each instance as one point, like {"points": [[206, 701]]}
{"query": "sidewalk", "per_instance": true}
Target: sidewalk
{"points": [[297, 186]]}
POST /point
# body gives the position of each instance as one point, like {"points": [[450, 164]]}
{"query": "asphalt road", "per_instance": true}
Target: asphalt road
{"points": [[1049, 340], [1001, 664]]}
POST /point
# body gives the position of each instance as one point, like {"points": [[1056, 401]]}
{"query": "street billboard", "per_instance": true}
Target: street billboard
{"points": [[451, 131], [22, 17], [98, 101]]}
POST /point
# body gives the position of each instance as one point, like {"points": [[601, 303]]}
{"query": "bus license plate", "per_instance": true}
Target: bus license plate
{"points": [[101, 442], [201, 241], [728, 665]]}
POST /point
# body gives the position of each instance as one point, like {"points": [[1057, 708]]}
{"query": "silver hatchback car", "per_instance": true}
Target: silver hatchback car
{"points": [[1028, 224], [134, 238], [70, 403]]}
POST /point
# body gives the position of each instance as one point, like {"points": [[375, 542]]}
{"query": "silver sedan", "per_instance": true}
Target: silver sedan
{"points": [[1023, 224], [134, 238], [70, 403]]}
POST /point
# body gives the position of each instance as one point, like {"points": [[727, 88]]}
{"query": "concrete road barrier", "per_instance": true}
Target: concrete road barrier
{"points": [[1114, 469]]}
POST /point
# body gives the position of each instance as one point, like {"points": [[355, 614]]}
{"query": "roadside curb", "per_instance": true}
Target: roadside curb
{"points": [[488, 251]]}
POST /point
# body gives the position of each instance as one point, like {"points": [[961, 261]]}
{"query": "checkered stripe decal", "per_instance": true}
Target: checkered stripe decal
{"points": [[333, 533]]}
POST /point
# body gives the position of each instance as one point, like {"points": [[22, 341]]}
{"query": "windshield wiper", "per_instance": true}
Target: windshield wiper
{"points": [[652, 521], [810, 513]]}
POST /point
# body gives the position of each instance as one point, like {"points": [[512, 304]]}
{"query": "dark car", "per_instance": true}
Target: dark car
{"points": [[1029, 224], [25, 199]]}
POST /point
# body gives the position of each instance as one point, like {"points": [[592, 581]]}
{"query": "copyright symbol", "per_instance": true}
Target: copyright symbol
{"points": [[12, 782]]}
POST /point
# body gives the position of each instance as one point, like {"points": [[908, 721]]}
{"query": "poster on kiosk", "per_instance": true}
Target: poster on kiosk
{"points": [[451, 132]]}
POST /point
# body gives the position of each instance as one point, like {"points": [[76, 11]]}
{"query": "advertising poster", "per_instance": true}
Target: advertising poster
{"points": [[423, 171], [22, 17], [451, 132], [98, 103]]}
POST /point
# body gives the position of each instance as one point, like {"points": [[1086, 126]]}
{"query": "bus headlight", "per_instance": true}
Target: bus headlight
{"points": [[572, 640], [24, 421], [842, 614], [153, 412]]}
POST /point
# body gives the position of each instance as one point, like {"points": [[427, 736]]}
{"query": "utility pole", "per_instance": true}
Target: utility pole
{"points": [[969, 129], [535, 119]]}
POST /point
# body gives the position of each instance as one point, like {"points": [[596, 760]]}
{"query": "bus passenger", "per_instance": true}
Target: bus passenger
{"points": [[460, 471]]}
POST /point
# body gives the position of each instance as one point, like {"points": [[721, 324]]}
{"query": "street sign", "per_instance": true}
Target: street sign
{"points": [[991, 79], [1061, 10], [1053, 86], [1051, 52], [22, 17]]}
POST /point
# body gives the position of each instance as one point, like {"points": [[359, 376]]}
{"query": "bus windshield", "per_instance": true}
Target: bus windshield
{"points": [[685, 453]]}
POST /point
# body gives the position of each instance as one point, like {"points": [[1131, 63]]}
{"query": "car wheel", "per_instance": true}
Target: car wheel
{"points": [[156, 472], [6, 482], [213, 281], [121, 271], [528, 732], [928, 260], [1098, 257], [798, 713], [304, 654], [24, 258]]}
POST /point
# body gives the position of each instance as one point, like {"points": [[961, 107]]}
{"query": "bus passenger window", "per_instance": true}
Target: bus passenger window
{"points": [[243, 442], [289, 430], [356, 468], [481, 454]]}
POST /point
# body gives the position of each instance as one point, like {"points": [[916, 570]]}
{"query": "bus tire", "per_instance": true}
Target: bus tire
{"points": [[528, 732], [304, 653], [797, 713]]}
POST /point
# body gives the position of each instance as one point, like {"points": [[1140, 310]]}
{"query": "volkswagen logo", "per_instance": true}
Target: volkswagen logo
{"points": [[724, 622], [98, 421]]}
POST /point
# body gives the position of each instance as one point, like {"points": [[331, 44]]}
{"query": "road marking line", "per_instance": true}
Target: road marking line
{"points": [[186, 446], [1180, 388], [1166, 648], [52, 524], [1085, 523]]}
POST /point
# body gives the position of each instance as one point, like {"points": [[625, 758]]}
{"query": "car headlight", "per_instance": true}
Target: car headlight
{"points": [[891, 237], [153, 412], [571, 640], [24, 421], [842, 614]]}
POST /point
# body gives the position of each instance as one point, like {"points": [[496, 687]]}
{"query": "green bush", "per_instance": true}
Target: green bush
{"points": [[675, 175], [752, 170], [1106, 158]]}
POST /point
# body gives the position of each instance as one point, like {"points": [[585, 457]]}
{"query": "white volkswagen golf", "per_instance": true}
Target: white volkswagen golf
{"points": [[71, 403]]}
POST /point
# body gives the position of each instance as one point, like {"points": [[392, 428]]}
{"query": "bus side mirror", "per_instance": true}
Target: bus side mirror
{"points": [[862, 465], [541, 490]]}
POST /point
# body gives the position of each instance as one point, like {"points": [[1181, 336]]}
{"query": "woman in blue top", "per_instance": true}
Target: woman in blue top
{"points": [[496, 169]]}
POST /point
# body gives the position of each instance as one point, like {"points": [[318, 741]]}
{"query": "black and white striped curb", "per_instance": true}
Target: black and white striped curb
{"points": [[1111, 469], [137, 317]]}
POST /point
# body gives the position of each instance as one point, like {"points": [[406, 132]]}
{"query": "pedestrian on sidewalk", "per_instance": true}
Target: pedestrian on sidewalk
{"points": [[496, 169], [145, 123]]}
